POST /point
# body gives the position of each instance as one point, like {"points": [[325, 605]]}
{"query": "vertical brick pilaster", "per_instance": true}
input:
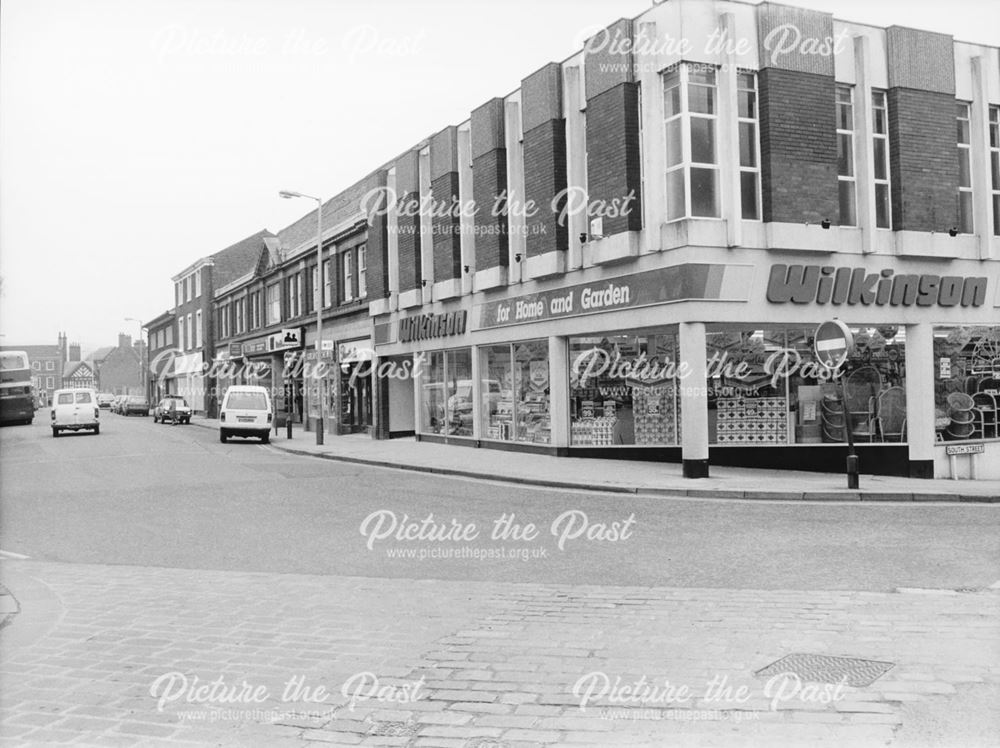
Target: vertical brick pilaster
{"points": [[613, 158], [544, 144], [923, 153], [377, 277], [798, 118], [613, 168], [408, 223], [489, 183], [446, 238], [798, 146]]}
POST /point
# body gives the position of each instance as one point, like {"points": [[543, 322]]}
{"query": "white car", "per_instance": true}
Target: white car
{"points": [[246, 411], [75, 409]]}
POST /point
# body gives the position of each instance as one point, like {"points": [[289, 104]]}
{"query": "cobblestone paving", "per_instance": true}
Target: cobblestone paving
{"points": [[499, 661]]}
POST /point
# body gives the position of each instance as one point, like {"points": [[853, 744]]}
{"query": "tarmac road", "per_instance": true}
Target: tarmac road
{"points": [[146, 494]]}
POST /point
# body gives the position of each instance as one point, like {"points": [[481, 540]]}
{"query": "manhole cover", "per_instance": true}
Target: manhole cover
{"points": [[826, 669], [394, 729]]}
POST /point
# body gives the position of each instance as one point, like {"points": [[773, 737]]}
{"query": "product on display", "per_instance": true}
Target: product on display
{"points": [[752, 420]]}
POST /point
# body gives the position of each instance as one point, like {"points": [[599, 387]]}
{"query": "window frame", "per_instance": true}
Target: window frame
{"points": [[964, 114], [755, 122], [993, 130], [847, 159], [198, 333], [883, 107], [346, 286], [685, 116]]}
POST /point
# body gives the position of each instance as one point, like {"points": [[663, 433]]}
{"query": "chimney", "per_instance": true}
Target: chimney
{"points": [[63, 350], [74, 352], [124, 341]]}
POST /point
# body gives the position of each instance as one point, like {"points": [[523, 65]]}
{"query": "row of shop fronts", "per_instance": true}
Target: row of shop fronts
{"points": [[714, 363]]}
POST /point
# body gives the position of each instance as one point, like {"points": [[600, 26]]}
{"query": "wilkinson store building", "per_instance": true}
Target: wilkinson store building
{"points": [[761, 189]]}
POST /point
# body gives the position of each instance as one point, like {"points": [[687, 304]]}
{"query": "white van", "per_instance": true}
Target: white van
{"points": [[246, 411], [75, 409]]}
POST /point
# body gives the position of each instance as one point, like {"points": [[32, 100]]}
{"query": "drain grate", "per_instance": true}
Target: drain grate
{"points": [[828, 669], [394, 729]]}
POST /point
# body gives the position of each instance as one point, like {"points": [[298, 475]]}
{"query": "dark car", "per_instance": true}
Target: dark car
{"points": [[162, 410], [135, 405]]}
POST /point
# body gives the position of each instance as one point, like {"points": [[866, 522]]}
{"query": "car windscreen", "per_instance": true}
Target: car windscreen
{"points": [[66, 398], [137, 400], [247, 401], [83, 397]]}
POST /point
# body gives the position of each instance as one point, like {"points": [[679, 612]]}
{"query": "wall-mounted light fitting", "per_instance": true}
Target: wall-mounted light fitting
{"points": [[825, 223], [953, 231]]}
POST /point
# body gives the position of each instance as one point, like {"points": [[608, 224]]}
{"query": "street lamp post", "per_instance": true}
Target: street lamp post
{"points": [[142, 369], [318, 301]]}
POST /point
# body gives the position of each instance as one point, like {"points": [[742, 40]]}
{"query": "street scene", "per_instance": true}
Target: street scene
{"points": [[624, 374]]}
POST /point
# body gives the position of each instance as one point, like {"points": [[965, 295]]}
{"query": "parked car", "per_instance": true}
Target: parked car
{"points": [[161, 412], [105, 400], [135, 405], [246, 411], [75, 409]]}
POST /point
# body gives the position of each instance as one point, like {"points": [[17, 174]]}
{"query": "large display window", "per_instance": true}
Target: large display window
{"points": [[623, 390], [515, 392], [446, 393], [766, 388], [967, 382]]}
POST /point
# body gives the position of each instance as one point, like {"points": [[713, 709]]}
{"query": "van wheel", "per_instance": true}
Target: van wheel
{"points": [[265, 438], [222, 436]]}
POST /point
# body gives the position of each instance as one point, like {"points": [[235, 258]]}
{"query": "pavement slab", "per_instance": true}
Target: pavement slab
{"points": [[142, 655]]}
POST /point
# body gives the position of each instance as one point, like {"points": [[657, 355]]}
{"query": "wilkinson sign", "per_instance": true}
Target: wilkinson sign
{"points": [[824, 284]]}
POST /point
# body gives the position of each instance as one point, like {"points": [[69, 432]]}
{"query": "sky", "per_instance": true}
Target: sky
{"points": [[137, 136]]}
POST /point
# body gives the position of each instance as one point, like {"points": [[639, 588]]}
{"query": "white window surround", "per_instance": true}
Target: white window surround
{"points": [[846, 170], [692, 168], [966, 222], [880, 147]]}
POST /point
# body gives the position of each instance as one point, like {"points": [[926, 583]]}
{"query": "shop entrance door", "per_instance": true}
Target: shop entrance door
{"points": [[355, 401]]}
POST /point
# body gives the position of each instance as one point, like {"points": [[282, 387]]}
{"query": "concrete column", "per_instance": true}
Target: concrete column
{"points": [[864, 146], [694, 400], [729, 137], [920, 399], [982, 195], [559, 391], [466, 221], [479, 398], [426, 227], [515, 193], [392, 240], [576, 159], [419, 361]]}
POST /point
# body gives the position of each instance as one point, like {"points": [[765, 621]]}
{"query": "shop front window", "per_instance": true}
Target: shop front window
{"points": [[432, 417], [623, 390], [766, 388], [967, 382], [515, 392], [458, 407], [446, 393]]}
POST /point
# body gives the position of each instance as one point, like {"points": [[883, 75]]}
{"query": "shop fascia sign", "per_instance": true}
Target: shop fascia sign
{"points": [[428, 326], [690, 281], [290, 337], [825, 284]]}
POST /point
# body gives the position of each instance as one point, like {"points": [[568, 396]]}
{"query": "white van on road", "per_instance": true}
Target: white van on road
{"points": [[75, 409], [246, 411]]}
